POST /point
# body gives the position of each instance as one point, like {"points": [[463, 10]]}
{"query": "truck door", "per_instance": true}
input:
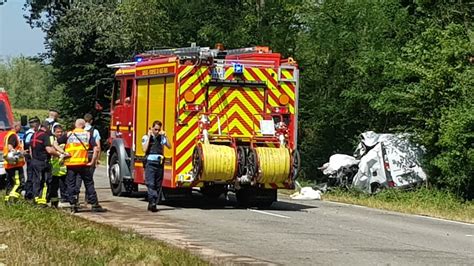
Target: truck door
{"points": [[155, 100], [123, 110]]}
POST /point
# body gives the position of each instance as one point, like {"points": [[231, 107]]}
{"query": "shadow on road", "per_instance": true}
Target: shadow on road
{"points": [[198, 201]]}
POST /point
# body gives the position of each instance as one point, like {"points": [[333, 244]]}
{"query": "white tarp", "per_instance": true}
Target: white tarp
{"points": [[336, 162]]}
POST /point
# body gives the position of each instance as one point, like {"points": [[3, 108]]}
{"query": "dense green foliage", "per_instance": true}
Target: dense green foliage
{"points": [[27, 82], [387, 66]]}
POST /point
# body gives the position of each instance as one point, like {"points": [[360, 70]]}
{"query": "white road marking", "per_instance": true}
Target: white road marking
{"points": [[269, 213], [469, 235], [399, 213]]}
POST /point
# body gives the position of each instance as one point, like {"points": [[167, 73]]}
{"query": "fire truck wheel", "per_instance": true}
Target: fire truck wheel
{"points": [[252, 164], [115, 177], [241, 161], [295, 164], [197, 162]]}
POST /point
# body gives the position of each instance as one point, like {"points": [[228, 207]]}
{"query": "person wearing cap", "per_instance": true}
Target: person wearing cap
{"points": [[52, 118], [14, 160], [41, 150], [34, 123], [78, 143]]}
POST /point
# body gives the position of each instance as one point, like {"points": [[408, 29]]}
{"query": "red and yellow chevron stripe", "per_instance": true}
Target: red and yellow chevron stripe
{"points": [[237, 107], [190, 78]]}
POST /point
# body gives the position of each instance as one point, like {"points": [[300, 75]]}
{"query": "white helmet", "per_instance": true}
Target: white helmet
{"points": [[11, 158]]}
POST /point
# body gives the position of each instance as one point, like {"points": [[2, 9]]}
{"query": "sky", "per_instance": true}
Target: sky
{"points": [[16, 36]]}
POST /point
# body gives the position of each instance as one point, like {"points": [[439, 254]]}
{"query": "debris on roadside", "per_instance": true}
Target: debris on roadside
{"points": [[305, 193]]}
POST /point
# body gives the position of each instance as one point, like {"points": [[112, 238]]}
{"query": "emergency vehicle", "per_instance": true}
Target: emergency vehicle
{"points": [[6, 124], [231, 117]]}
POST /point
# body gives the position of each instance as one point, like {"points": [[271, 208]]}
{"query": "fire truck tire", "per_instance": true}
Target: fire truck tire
{"points": [[295, 164], [117, 184], [256, 197]]}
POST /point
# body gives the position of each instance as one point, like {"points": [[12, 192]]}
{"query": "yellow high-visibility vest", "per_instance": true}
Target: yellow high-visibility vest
{"points": [[19, 147], [77, 146]]}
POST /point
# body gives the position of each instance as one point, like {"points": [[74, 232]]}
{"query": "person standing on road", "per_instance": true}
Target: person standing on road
{"points": [[41, 150], [58, 169], [152, 144], [96, 136], [34, 125], [14, 161], [78, 143]]}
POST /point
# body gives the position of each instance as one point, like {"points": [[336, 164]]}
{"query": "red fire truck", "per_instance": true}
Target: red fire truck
{"points": [[6, 123], [231, 117]]}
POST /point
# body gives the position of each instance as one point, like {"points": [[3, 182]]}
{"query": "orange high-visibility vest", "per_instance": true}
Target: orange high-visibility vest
{"points": [[77, 146], [19, 147]]}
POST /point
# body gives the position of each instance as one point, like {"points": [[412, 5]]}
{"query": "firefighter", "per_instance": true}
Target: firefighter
{"points": [[152, 144], [41, 151], [58, 169], [14, 161], [96, 136], [79, 141], [34, 125]]}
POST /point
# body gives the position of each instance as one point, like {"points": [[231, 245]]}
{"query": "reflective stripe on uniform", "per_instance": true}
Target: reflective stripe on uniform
{"points": [[77, 146], [13, 193], [19, 147]]}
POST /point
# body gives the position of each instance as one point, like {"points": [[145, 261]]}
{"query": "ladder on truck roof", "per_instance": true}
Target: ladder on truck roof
{"points": [[206, 51]]}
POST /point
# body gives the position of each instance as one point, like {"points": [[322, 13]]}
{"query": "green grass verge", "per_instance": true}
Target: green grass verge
{"points": [[41, 114], [47, 236], [423, 201]]}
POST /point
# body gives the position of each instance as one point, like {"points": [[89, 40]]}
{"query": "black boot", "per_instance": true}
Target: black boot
{"points": [[75, 207], [152, 207], [97, 208]]}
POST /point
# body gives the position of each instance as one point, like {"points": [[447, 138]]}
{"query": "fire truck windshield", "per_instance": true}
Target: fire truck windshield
{"points": [[5, 123]]}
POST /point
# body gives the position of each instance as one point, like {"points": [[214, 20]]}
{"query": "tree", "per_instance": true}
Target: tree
{"points": [[344, 51], [27, 81]]}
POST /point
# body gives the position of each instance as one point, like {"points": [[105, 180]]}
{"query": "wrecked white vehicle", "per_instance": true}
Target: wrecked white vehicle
{"points": [[380, 161]]}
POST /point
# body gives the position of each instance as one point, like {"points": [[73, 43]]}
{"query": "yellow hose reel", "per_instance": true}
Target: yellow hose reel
{"points": [[274, 164], [214, 163]]}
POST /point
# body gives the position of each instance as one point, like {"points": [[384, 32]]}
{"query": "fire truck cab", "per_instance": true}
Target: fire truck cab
{"points": [[231, 117], [6, 124]]}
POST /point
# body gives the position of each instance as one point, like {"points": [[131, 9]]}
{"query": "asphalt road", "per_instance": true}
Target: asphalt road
{"points": [[292, 232]]}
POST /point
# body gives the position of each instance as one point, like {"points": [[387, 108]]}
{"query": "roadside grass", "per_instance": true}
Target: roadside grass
{"points": [[47, 236], [422, 201], [41, 114]]}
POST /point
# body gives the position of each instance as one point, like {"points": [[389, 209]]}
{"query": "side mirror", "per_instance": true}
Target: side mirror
{"points": [[24, 120]]}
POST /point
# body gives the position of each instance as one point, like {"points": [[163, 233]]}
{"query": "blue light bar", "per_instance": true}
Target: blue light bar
{"points": [[238, 68]]}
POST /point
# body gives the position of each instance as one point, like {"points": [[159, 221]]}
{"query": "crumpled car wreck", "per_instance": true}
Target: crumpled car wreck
{"points": [[380, 161]]}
